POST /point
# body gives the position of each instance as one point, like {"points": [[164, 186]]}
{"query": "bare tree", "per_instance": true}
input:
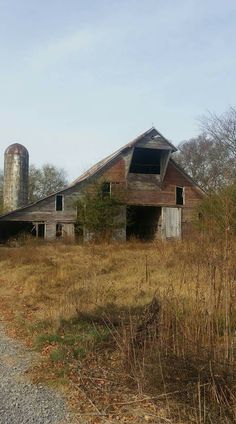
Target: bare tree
{"points": [[46, 180], [210, 158], [209, 163], [222, 128]]}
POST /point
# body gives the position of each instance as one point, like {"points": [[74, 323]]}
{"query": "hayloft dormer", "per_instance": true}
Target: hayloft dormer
{"points": [[151, 156], [145, 161]]}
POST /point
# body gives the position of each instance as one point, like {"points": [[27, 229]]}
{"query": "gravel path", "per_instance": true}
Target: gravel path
{"points": [[21, 401]]}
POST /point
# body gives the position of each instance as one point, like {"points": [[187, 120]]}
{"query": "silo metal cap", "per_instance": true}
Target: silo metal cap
{"points": [[16, 149]]}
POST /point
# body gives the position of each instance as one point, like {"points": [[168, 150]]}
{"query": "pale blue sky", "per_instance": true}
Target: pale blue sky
{"points": [[80, 78]]}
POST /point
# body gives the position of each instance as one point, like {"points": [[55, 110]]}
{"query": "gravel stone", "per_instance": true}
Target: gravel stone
{"points": [[22, 402]]}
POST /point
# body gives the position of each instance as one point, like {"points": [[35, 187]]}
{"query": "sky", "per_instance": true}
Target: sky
{"points": [[81, 78]]}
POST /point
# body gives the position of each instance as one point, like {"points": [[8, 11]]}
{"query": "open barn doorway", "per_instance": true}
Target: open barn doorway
{"points": [[142, 222], [14, 229]]}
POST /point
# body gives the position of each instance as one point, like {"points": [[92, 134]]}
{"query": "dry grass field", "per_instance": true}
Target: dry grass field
{"points": [[132, 332]]}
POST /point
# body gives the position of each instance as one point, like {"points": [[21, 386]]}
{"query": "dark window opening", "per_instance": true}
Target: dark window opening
{"points": [[41, 230], [59, 202], [59, 230], [146, 161], [106, 190], [179, 195]]}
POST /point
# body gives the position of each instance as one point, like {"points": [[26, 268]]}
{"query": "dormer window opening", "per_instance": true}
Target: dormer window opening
{"points": [[146, 161]]}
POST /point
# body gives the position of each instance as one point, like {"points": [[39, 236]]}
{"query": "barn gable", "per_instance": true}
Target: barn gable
{"points": [[151, 139]]}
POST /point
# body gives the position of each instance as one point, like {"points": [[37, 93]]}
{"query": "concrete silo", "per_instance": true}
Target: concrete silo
{"points": [[16, 174]]}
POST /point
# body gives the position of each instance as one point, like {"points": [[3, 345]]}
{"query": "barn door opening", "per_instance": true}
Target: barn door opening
{"points": [[171, 222], [142, 222], [41, 231], [11, 229]]}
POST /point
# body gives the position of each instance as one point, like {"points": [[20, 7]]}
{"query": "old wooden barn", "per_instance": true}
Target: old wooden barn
{"points": [[159, 194]]}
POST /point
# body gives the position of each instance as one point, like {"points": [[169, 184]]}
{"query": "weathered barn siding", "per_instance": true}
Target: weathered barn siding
{"points": [[147, 190], [171, 222], [144, 189], [116, 172], [68, 230], [50, 230], [135, 189], [45, 210]]}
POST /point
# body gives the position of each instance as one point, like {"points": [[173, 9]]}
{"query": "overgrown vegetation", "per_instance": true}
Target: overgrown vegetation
{"points": [[135, 327], [217, 213], [99, 212]]}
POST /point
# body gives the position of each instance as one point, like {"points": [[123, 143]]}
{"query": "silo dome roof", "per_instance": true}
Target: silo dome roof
{"points": [[16, 149]]}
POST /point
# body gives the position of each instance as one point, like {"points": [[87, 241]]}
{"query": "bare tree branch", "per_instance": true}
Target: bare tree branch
{"points": [[221, 128], [208, 162]]}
